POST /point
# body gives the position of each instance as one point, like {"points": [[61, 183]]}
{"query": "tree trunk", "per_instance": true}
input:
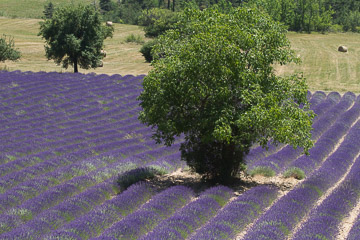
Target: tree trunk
{"points": [[228, 164], [75, 66]]}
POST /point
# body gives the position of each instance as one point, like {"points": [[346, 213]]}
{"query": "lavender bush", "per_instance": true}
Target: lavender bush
{"points": [[324, 220], [150, 214], [237, 214], [283, 216], [185, 221], [65, 139]]}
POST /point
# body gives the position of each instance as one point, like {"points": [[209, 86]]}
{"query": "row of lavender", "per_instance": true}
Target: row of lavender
{"points": [[329, 128], [319, 103], [64, 139], [282, 218], [56, 182]]}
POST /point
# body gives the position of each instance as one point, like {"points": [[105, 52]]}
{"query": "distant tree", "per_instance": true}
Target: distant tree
{"points": [[351, 21], [75, 36], [300, 15], [345, 12], [146, 50], [7, 50], [156, 21], [49, 10], [105, 5], [213, 81]]}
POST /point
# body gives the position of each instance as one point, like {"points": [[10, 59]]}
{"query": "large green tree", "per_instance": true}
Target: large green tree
{"points": [[75, 36], [7, 50], [213, 81]]}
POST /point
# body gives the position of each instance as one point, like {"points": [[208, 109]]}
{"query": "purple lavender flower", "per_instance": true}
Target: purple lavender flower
{"points": [[94, 222], [237, 214], [324, 220], [192, 216], [283, 216], [150, 214]]}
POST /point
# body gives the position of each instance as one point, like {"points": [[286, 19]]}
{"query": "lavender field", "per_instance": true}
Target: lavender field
{"points": [[65, 140]]}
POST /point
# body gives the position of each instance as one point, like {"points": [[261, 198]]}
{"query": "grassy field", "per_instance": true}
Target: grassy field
{"points": [[31, 8], [324, 67], [122, 58]]}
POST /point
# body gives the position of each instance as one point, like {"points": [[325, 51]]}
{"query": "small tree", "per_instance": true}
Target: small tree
{"points": [[48, 10], [145, 50], [156, 21], [7, 50], [213, 81], [75, 36]]}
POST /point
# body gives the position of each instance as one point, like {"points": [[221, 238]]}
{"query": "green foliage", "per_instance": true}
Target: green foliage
{"points": [[146, 50], [156, 21], [129, 13], [48, 10], [302, 15], [295, 173], [75, 36], [336, 28], [106, 5], [263, 171], [7, 49], [134, 38], [214, 160], [352, 21], [345, 12], [213, 81]]}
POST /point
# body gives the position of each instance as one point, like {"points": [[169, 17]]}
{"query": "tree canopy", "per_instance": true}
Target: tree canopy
{"points": [[75, 36], [213, 81], [7, 50]]}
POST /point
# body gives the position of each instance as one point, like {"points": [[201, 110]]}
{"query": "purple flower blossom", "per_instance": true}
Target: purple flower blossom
{"points": [[193, 215], [237, 214], [283, 216], [150, 214], [324, 220]]}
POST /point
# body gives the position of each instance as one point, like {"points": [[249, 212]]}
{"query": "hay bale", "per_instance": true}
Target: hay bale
{"points": [[342, 49], [100, 64], [109, 23], [103, 53]]}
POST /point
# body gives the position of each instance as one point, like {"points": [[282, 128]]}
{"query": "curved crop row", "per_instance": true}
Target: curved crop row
{"points": [[66, 139], [185, 221], [150, 214], [283, 216], [235, 216], [324, 220], [330, 109], [328, 141]]}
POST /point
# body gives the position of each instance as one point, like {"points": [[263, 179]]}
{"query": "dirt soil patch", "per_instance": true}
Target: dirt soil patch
{"points": [[239, 185]]}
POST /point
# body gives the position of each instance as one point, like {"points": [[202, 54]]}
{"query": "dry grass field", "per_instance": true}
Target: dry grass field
{"points": [[324, 67], [122, 58], [31, 8]]}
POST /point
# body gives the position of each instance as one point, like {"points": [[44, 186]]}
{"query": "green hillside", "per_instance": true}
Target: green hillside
{"points": [[31, 8]]}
